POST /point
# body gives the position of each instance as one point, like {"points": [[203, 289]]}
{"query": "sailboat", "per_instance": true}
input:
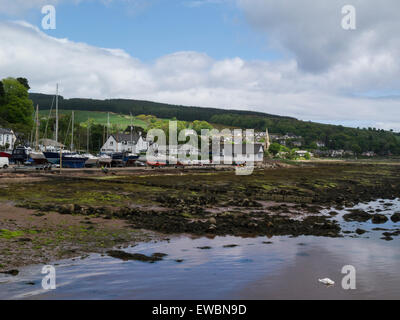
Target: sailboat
{"points": [[68, 159], [35, 156]]}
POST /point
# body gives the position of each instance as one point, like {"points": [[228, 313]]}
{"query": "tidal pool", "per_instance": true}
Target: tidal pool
{"points": [[256, 268]]}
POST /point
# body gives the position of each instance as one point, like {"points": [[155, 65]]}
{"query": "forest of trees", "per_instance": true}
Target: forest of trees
{"points": [[137, 107], [335, 137]]}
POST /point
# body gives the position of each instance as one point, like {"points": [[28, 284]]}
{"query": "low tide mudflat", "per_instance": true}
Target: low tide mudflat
{"points": [[48, 217]]}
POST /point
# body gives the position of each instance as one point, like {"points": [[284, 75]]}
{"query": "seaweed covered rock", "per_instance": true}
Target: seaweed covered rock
{"points": [[379, 219], [395, 217], [125, 256], [245, 203], [357, 215]]}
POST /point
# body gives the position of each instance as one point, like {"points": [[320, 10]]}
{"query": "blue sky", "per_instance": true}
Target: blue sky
{"points": [[290, 58], [160, 27]]}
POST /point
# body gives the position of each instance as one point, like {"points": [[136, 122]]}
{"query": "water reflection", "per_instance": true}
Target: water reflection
{"points": [[257, 268]]}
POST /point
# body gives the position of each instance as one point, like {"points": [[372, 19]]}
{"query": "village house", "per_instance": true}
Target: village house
{"points": [[303, 153], [260, 136], [369, 154], [181, 151], [237, 153], [288, 139], [132, 140], [297, 143], [7, 139]]}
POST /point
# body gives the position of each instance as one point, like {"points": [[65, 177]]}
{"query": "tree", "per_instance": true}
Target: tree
{"points": [[17, 108], [24, 82], [2, 93], [274, 148], [356, 149], [200, 125]]}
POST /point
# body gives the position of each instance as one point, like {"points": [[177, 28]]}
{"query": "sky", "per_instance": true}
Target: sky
{"points": [[290, 58]]}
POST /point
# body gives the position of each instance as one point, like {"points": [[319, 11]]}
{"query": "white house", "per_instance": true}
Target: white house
{"points": [[369, 154], [123, 142], [7, 138], [303, 153], [180, 151], [237, 153]]}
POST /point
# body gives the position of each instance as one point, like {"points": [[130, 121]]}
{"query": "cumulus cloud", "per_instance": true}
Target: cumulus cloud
{"points": [[311, 30], [193, 78]]}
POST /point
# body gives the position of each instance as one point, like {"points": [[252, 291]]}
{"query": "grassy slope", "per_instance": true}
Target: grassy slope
{"points": [[100, 117]]}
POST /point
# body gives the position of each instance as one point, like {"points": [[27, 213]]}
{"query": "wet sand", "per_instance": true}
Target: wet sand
{"points": [[32, 237]]}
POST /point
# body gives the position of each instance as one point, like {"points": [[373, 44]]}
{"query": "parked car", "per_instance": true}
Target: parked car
{"points": [[4, 162]]}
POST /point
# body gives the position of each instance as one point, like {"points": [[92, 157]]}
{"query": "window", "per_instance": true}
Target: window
{"points": [[111, 143]]}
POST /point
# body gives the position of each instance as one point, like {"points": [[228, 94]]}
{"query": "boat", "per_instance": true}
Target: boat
{"points": [[117, 159], [52, 156], [5, 155], [130, 159], [104, 160], [73, 161], [91, 160], [64, 158], [20, 155], [35, 156]]}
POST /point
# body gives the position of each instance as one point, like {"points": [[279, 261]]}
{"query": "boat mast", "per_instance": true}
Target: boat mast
{"points": [[87, 142], [37, 129], [131, 134], [57, 113], [108, 124], [72, 132], [117, 137]]}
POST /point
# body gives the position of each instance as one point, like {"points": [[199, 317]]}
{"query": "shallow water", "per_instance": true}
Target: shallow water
{"points": [[287, 268]]}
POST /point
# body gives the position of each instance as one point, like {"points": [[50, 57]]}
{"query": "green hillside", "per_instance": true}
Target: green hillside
{"points": [[98, 117], [137, 107], [334, 137]]}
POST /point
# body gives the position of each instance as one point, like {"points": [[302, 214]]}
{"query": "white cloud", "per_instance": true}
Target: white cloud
{"points": [[193, 78], [311, 30]]}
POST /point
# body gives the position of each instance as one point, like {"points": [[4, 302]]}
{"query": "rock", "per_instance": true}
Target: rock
{"points": [[212, 221], [125, 256], [231, 246], [379, 219], [357, 215], [204, 248], [77, 209], [395, 217], [360, 231], [11, 272]]}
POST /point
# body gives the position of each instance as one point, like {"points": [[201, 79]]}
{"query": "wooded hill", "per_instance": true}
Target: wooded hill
{"points": [[335, 137]]}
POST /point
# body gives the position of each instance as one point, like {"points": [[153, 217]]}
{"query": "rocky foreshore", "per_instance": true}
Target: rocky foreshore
{"points": [[271, 202]]}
